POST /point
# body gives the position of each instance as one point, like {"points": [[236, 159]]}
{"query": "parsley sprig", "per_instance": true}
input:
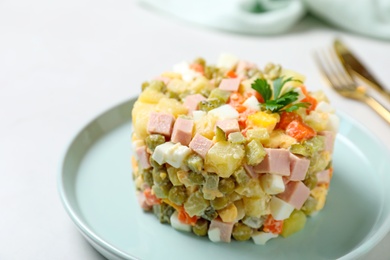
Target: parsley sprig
{"points": [[279, 102]]}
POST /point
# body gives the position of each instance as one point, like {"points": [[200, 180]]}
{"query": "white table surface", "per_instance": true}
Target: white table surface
{"points": [[64, 62]]}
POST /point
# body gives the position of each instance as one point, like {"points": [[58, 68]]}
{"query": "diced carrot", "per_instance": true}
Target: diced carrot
{"points": [[259, 97], [286, 118], [231, 74], [151, 199], [197, 67], [185, 218], [242, 117], [308, 99], [273, 226], [300, 130]]}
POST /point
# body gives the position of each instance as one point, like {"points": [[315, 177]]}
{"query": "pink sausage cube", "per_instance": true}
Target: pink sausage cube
{"points": [[323, 177], [276, 161], [231, 84], [228, 126], [182, 131], [160, 123], [298, 167], [192, 102], [163, 79], [201, 145], [143, 157], [225, 229], [296, 193], [250, 170], [142, 201]]}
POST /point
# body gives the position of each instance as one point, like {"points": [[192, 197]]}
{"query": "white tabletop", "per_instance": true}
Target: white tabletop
{"points": [[64, 62]]}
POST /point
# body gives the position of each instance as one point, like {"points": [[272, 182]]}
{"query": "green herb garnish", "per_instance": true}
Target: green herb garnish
{"points": [[279, 102]]}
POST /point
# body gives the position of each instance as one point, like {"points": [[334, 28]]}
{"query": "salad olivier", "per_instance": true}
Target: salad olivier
{"points": [[232, 150]]}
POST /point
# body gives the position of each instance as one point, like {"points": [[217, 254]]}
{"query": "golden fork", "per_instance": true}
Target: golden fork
{"points": [[341, 81]]}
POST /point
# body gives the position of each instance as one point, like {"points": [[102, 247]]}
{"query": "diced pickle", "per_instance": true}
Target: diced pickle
{"points": [[210, 187], [178, 195], [294, 223], [148, 177], [200, 61], [163, 212], [310, 181], [196, 204], [195, 163], [201, 227], [241, 232], [221, 95], [209, 104], [310, 147], [310, 206], [172, 174], [300, 149], [160, 176], [162, 191], [211, 72], [144, 85], [254, 152], [259, 134], [154, 140], [226, 185], [241, 176], [210, 213], [220, 135], [236, 138], [157, 85], [253, 222]]}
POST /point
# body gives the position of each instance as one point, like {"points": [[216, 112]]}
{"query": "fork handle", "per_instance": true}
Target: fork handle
{"points": [[378, 107]]}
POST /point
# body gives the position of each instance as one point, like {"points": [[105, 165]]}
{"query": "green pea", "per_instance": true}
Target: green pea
{"points": [[195, 178], [209, 104], [178, 195], [163, 212], [310, 206], [201, 227], [226, 185], [219, 203], [154, 140], [160, 176], [148, 177], [195, 163], [162, 191], [241, 232], [310, 181]]}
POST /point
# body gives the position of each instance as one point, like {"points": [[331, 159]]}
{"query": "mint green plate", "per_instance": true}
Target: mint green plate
{"points": [[97, 191]]}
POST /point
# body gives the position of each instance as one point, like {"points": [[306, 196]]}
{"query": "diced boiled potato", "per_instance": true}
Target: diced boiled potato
{"points": [[251, 189], [272, 183], [263, 119], [186, 72], [198, 114], [333, 123], [177, 86], [319, 193], [200, 85], [257, 133], [150, 96], [240, 210], [317, 120], [280, 209], [255, 207], [260, 237], [224, 158], [140, 116], [290, 73], [227, 61], [205, 126], [319, 96], [228, 214], [279, 139], [171, 106], [294, 223], [324, 107], [171, 75], [175, 223]]}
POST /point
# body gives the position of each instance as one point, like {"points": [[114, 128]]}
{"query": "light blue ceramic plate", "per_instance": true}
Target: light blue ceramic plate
{"points": [[97, 191]]}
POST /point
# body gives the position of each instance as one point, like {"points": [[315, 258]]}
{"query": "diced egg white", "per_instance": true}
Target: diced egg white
{"points": [[252, 103], [137, 143], [160, 152], [186, 72], [214, 235], [198, 114], [179, 153], [324, 107], [280, 209], [260, 238], [272, 183], [224, 112], [227, 61], [176, 224]]}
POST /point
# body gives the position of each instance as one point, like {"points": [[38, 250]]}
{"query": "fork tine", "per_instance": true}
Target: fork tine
{"points": [[323, 68], [340, 72]]}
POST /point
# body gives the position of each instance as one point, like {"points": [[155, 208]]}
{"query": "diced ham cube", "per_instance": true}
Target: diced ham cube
{"points": [[329, 140], [231, 84], [142, 201], [244, 65], [182, 131], [323, 177], [296, 193], [298, 167], [143, 157], [228, 126], [220, 231], [192, 102], [201, 145], [160, 123], [276, 161], [249, 170]]}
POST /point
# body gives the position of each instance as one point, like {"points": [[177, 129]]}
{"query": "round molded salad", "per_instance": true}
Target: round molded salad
{"points": [[232, 150]]}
